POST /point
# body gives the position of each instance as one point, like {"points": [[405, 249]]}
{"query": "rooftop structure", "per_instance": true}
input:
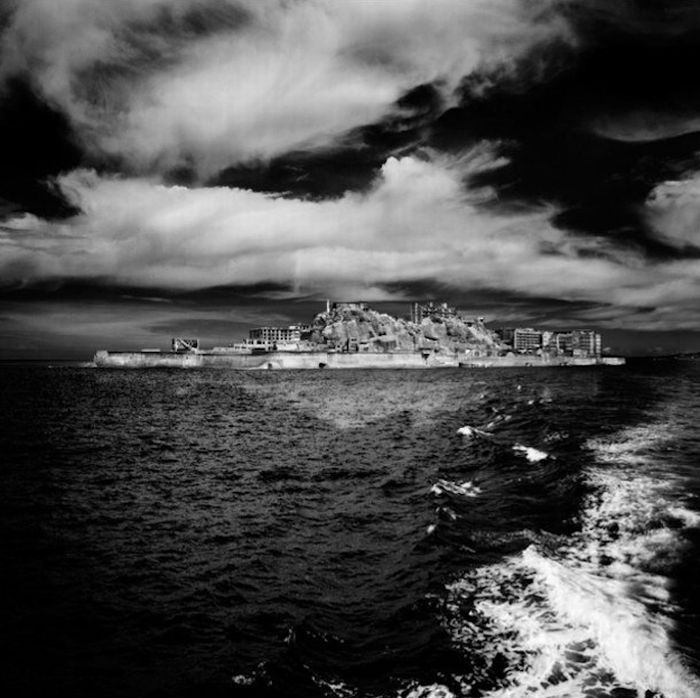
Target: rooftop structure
{"points": [[346, 305], [431, 309], [181, 345]]}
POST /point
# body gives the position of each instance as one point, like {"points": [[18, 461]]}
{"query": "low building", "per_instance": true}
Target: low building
{"points": [[272, 335]]}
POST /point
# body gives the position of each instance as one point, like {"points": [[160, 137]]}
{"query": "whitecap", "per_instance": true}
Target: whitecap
{"points": [[465, 489], [469, 431], [532, 454], [243, 679]]}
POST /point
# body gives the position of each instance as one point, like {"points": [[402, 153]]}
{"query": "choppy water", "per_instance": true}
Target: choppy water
{"points": [[363, 533]]}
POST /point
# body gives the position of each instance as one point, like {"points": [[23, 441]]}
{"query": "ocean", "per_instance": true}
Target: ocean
{"points": [[391, 533]]}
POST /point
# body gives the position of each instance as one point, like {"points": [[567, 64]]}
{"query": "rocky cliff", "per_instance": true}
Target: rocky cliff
{"points": [[354, 328]]}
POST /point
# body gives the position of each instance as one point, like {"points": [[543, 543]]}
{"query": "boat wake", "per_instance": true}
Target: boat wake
{"points": [[592, 616]]}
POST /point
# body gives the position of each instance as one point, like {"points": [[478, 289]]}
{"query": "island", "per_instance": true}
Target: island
{"points": [[353, 335]]}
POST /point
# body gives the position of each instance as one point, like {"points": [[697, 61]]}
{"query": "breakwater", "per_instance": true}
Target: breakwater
{"points": [[331, 360]]}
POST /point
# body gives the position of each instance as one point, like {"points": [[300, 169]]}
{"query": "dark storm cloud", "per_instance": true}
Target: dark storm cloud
{"points": [[593, 124], [36, 142], [623, 61]]}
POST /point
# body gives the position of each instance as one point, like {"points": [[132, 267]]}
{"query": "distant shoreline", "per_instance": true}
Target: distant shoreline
{"points": [[88, 361]]}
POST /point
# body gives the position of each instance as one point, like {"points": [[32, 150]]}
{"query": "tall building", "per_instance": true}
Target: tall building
{"points": [[506, 334], [578, 343], [563, 343], [585, 343], [522, 339], [527, 340]]}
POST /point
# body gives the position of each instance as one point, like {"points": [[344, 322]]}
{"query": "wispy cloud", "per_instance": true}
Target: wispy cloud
{"points": [[140, 85]]}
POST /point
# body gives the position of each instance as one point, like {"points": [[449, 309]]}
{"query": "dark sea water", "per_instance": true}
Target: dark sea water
{"points": [[212, 533]]}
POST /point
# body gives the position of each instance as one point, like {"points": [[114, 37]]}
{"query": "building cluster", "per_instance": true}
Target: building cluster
{"points": [[526, 340], [419, 311], [519, 340]]}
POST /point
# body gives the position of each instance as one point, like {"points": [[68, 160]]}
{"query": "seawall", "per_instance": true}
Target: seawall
{"points": [[320, 359], [536, 361]]}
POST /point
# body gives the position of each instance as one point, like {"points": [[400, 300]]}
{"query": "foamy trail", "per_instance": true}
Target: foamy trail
{"points": [[430, 691], [595, 614]]}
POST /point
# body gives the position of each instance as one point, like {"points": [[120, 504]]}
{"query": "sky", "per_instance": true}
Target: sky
{"points": [[201, 167]]}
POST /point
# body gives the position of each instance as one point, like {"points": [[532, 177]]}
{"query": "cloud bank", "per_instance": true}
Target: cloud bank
{"points": [[416, 224]]}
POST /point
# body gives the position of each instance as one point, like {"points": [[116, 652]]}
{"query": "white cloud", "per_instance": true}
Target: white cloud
{"points": [[643, 125], [414, 223], [673, 210], [289, 75]]}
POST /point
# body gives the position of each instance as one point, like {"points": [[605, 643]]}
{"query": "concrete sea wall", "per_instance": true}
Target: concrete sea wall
{"points": [[320, 359], [138, 359], [270, 360], [533, 361]]}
